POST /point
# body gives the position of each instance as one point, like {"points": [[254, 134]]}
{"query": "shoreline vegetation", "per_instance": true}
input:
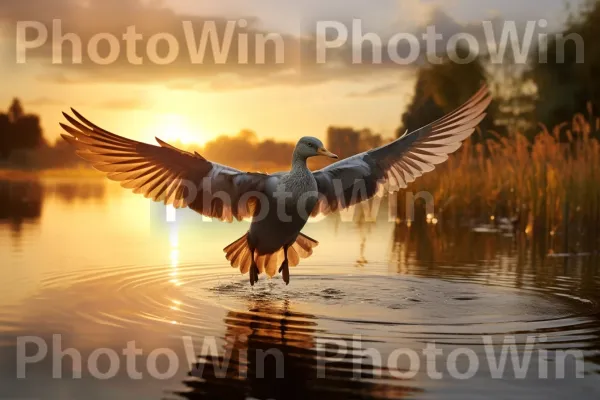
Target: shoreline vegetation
{"points": [[10, 174], [547, 187]]}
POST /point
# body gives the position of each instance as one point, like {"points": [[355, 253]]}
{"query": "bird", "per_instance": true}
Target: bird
{"points": [[278, 204]]}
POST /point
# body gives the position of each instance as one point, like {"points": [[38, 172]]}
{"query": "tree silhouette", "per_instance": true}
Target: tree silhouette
{"points": [[346, 141], [15, 111], [245, 150], [19, 130], [5, 135], [27, 132], [565, 73], [422, 110], [441, 88]]}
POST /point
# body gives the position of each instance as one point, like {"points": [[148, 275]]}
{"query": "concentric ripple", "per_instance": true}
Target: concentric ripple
{"points": [[420, 307], [383, 310]]}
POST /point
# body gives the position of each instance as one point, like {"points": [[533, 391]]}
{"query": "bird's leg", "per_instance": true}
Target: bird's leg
{"points": [[284, 269], [253, 270]]}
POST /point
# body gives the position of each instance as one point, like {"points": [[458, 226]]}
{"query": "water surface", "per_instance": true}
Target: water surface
{"points": [[101, 267]]}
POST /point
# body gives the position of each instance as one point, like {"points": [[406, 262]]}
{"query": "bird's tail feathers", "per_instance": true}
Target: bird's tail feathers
{"points": [[239, 255]]}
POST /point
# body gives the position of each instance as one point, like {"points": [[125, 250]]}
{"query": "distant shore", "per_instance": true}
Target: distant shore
{"points": [[11, 173], [20, 174]]}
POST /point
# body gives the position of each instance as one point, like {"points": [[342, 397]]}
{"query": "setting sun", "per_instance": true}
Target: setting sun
{"points": [[177, 128]]}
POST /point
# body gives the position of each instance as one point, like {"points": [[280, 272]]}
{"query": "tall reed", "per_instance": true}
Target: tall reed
{"points": [[546, 186]]}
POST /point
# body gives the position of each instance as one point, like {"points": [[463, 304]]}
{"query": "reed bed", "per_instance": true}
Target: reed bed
{"points": [[547, 186]]}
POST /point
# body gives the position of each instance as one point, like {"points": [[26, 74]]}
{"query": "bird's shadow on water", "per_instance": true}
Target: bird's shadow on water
{"points": [[271, 352]]}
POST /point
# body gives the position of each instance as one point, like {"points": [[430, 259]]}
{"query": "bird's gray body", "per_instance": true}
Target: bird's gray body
{"points": [[291, 199]]}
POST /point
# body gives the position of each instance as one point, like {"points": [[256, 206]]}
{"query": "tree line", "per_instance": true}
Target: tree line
{"points": [[18, 130], [549, 90]]}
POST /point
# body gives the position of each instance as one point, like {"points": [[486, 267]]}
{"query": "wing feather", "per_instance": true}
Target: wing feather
{"points": [[400, 162], [164, 173]]}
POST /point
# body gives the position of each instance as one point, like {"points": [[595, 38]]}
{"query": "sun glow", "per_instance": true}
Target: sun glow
{"points": [[174, 128]]}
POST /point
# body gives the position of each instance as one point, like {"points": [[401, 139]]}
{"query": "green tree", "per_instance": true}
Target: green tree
{"points": [[565, 71], [515, 95], [441, 88]]}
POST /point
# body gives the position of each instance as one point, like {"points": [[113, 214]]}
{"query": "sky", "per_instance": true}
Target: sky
{"points": [[194, 103]]}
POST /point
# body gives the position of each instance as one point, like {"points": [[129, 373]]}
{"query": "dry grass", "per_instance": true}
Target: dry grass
{"points": [[549, 185]]}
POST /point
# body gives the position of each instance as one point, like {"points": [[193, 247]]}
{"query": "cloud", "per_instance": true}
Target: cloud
{"points": [[415, 13], [299, 66], [113, 17], [378, 91], [43, 101], [120, 104], [125, 104]]}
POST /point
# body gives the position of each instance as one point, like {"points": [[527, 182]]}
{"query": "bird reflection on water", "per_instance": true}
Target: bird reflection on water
{"points": [[272, 353]]}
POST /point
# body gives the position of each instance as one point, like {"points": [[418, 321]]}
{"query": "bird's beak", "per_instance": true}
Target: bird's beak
{"points": [[324, 152]]}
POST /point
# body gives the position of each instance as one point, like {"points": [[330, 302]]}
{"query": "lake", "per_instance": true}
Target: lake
{"points": [[107, 296]]}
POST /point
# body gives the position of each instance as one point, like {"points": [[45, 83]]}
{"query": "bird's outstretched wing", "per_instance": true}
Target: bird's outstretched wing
{"points": [[166, 174], [360, 177]]}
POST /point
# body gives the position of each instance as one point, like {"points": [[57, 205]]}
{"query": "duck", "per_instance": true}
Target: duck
{"points": [[278, 204]]}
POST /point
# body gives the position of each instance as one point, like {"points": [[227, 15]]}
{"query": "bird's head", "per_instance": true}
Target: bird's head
{"points": [[310, 146]]}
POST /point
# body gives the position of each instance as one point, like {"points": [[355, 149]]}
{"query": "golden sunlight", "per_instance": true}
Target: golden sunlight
{"points": [[176, 128]]}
